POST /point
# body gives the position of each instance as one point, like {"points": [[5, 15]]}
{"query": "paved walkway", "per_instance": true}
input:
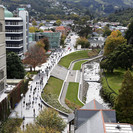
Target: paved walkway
{"points": [[59, 72], [73, 76], [30, 105]]}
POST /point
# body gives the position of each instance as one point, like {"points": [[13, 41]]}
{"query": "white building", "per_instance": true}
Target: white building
{"points": [[2, 51], [17, 29]]}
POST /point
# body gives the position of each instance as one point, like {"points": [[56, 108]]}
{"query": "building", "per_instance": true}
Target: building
{"points": [[17, 29], [2, 51], [94, 118], [61, 29], [53, 37]]}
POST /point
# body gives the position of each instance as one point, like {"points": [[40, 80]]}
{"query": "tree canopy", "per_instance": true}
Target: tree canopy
{"points": [[124, 101], [129, 34], [49, 118], [44, 42], [113, 41], [121, 57], [15, 67], [83, 42], [58, 22], [35, 56]]}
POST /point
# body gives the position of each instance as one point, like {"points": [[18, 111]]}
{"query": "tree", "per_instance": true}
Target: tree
{"points": [[35, 56], [34, 128], [34, 23], [124, 56], [83, 42], [58, 22], [107, 31], [113, 41], [41, 24], [124, 101], [83, 31], [63, 37], [44, 42], [109, 63], [49, 118], [33, 29], [121, 57], [15, 67], [129, 34], [99, 31]]}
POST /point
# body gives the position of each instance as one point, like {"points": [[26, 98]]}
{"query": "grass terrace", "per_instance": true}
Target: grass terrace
{"points": [[115, 81], [77, 65], [72, 96], [65, 61], [51, 93]]}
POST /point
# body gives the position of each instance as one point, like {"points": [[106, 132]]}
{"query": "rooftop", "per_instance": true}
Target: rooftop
{"points": [[60, 28]]}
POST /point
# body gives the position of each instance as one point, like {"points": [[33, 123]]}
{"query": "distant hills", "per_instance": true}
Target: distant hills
{"points": [[124, 16], [103, 7], [49, 9]]}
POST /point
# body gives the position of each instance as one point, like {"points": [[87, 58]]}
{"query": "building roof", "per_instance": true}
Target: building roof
{"points": [[94, 118], [60, 28], [93, 105], [118, 128], [8, 13]]}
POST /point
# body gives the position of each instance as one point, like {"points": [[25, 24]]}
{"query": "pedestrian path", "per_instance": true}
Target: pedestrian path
{"points": [[31, 104], [59, 72]]}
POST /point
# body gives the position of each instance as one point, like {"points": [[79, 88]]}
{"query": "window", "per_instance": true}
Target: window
{"points": [[1, 75], [0, 27], [1, 86]]}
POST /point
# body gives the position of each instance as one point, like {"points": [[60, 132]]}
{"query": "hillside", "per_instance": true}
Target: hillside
{"points": [[122, 16], [62, 9], [103, 7]]}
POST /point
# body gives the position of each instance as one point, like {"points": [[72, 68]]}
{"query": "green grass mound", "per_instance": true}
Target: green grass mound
{"points": [[77, 65], [65, 61], [72, 96], [51, 93], [114, 81]]}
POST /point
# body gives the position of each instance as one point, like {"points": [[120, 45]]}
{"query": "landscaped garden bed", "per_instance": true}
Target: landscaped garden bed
{"points": [[72, 96], [51, 93], [65, 61]]}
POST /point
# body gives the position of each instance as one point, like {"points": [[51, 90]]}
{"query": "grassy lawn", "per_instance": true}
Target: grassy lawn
{"points": [[54, 85], [32, 72], [72, 96], [77, 65], [65, 61], [51, 93], [115, 79]]}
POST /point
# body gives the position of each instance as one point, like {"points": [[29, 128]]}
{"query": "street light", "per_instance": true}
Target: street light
{"points": [[21, 104]]}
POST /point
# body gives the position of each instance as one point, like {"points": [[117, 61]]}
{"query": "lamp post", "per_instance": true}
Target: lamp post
{"points": [[21, 104]]}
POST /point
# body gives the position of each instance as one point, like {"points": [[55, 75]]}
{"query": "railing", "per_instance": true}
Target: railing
{"points": [[13, 23], [7, 30], [14, 45], [14, 38]]}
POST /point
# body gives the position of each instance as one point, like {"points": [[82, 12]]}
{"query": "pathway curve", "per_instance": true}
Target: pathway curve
{"points": [[72, 77]]}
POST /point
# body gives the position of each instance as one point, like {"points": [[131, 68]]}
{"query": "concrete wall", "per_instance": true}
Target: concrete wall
{"points": [[2, 50]]}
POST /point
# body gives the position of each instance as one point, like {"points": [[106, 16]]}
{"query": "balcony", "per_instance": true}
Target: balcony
{"points": [[14, 46], [13, 24], [14, 31], [14, 38]]}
